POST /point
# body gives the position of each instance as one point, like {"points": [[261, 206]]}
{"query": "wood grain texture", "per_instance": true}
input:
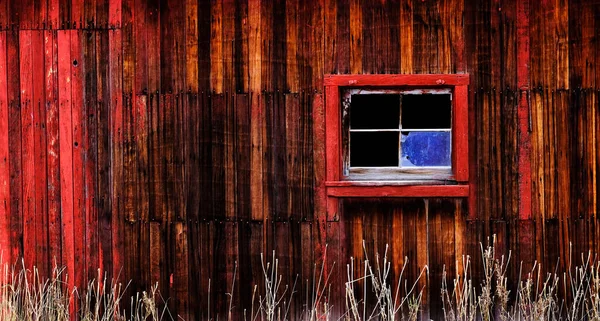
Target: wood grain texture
{"points": [[167, 140], [4, 154]]}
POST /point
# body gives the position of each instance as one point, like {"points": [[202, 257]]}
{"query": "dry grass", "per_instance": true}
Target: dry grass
{"points": [[538, 297], [371, 294], [25, 296]]}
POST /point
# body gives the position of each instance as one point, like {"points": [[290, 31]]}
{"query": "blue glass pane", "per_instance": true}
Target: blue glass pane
{"points": [[425, 149]]}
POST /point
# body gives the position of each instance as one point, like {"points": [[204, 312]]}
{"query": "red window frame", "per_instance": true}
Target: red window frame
{"points": [[336, 186]]}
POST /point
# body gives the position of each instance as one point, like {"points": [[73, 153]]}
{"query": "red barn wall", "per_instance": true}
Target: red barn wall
{"points": [[164, 141]]}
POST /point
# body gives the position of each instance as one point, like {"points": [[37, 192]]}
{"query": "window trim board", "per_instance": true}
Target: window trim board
{"points": [[460, 125]]}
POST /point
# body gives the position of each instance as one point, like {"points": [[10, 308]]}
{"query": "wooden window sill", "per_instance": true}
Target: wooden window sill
{"points": [[393, 189]]}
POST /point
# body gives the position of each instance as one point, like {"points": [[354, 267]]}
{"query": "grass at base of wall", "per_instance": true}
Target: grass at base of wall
{"points": [[570, 295]]}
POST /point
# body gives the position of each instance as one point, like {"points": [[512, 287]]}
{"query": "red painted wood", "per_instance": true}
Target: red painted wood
{"points": [[77, 13], [14, 146], [27, 147], [53, 10], [78, 146], [114, 13], [382, 80], [66, 151], [332, 132], [523, 114], [4, 156], [332, 143], [116, 130], [39, 118], [460, 130], [399, 191], [320, 201], [53, 148]]}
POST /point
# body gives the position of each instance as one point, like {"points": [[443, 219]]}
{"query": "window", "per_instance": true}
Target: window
{"points": [[396, 135]]}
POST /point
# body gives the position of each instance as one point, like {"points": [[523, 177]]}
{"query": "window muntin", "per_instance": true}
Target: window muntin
{"points": [[397, 134]]}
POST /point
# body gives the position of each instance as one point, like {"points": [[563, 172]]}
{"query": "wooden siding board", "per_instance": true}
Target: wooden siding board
{"points": [[53, 148], [27, 146], [104, 153], [78, 128], [66, 154], [5, 240], [40, 153]]}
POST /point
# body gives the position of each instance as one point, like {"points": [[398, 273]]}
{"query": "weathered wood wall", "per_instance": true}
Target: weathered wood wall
{"points": [[167, 140]]}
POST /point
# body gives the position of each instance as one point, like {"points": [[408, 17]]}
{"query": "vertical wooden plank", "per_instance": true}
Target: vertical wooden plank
{"points": [[278, 46], [228, 44], [276, 153], [128, 40], [216, 47], [141, 15], [204, 44], [116, 137], [78, 151], [53, 11], [114, 13], [333, 158], [330, 28], [64, 14], [89, 14], [90, 142], [66, 151], [242, 42], [142, 189], [218, 120], [523, 110], [130, 216], [191, 46], [4, 15], [167, 47], [356, 37], [318, 46], [153, 46], [256, 114], [181, 271], [27, 146], [76, 18], [293, 157], [53, 164], [229, 158], [319, 170], [291, 23], [14, 143], [41, 182], [423, 259], [104, 153], [242, 156], [4, 154], [267, 46], [24, 14]]}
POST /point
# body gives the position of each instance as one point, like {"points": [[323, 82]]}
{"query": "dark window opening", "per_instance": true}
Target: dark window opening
{"points": [[373, 149], [426, 111], [375, 111]]}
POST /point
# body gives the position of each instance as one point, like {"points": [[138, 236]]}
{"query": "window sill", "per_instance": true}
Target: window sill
{"points": [[394, 189]]}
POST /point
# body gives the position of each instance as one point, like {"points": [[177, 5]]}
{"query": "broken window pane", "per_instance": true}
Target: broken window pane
{"points": [[375, 111], [373, 149], [425, 149], [426, 111]]}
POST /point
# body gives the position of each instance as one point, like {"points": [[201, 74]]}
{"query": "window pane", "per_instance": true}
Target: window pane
{"points": [[426, 111], [425, 149], [373, 149], [375, 111]]}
